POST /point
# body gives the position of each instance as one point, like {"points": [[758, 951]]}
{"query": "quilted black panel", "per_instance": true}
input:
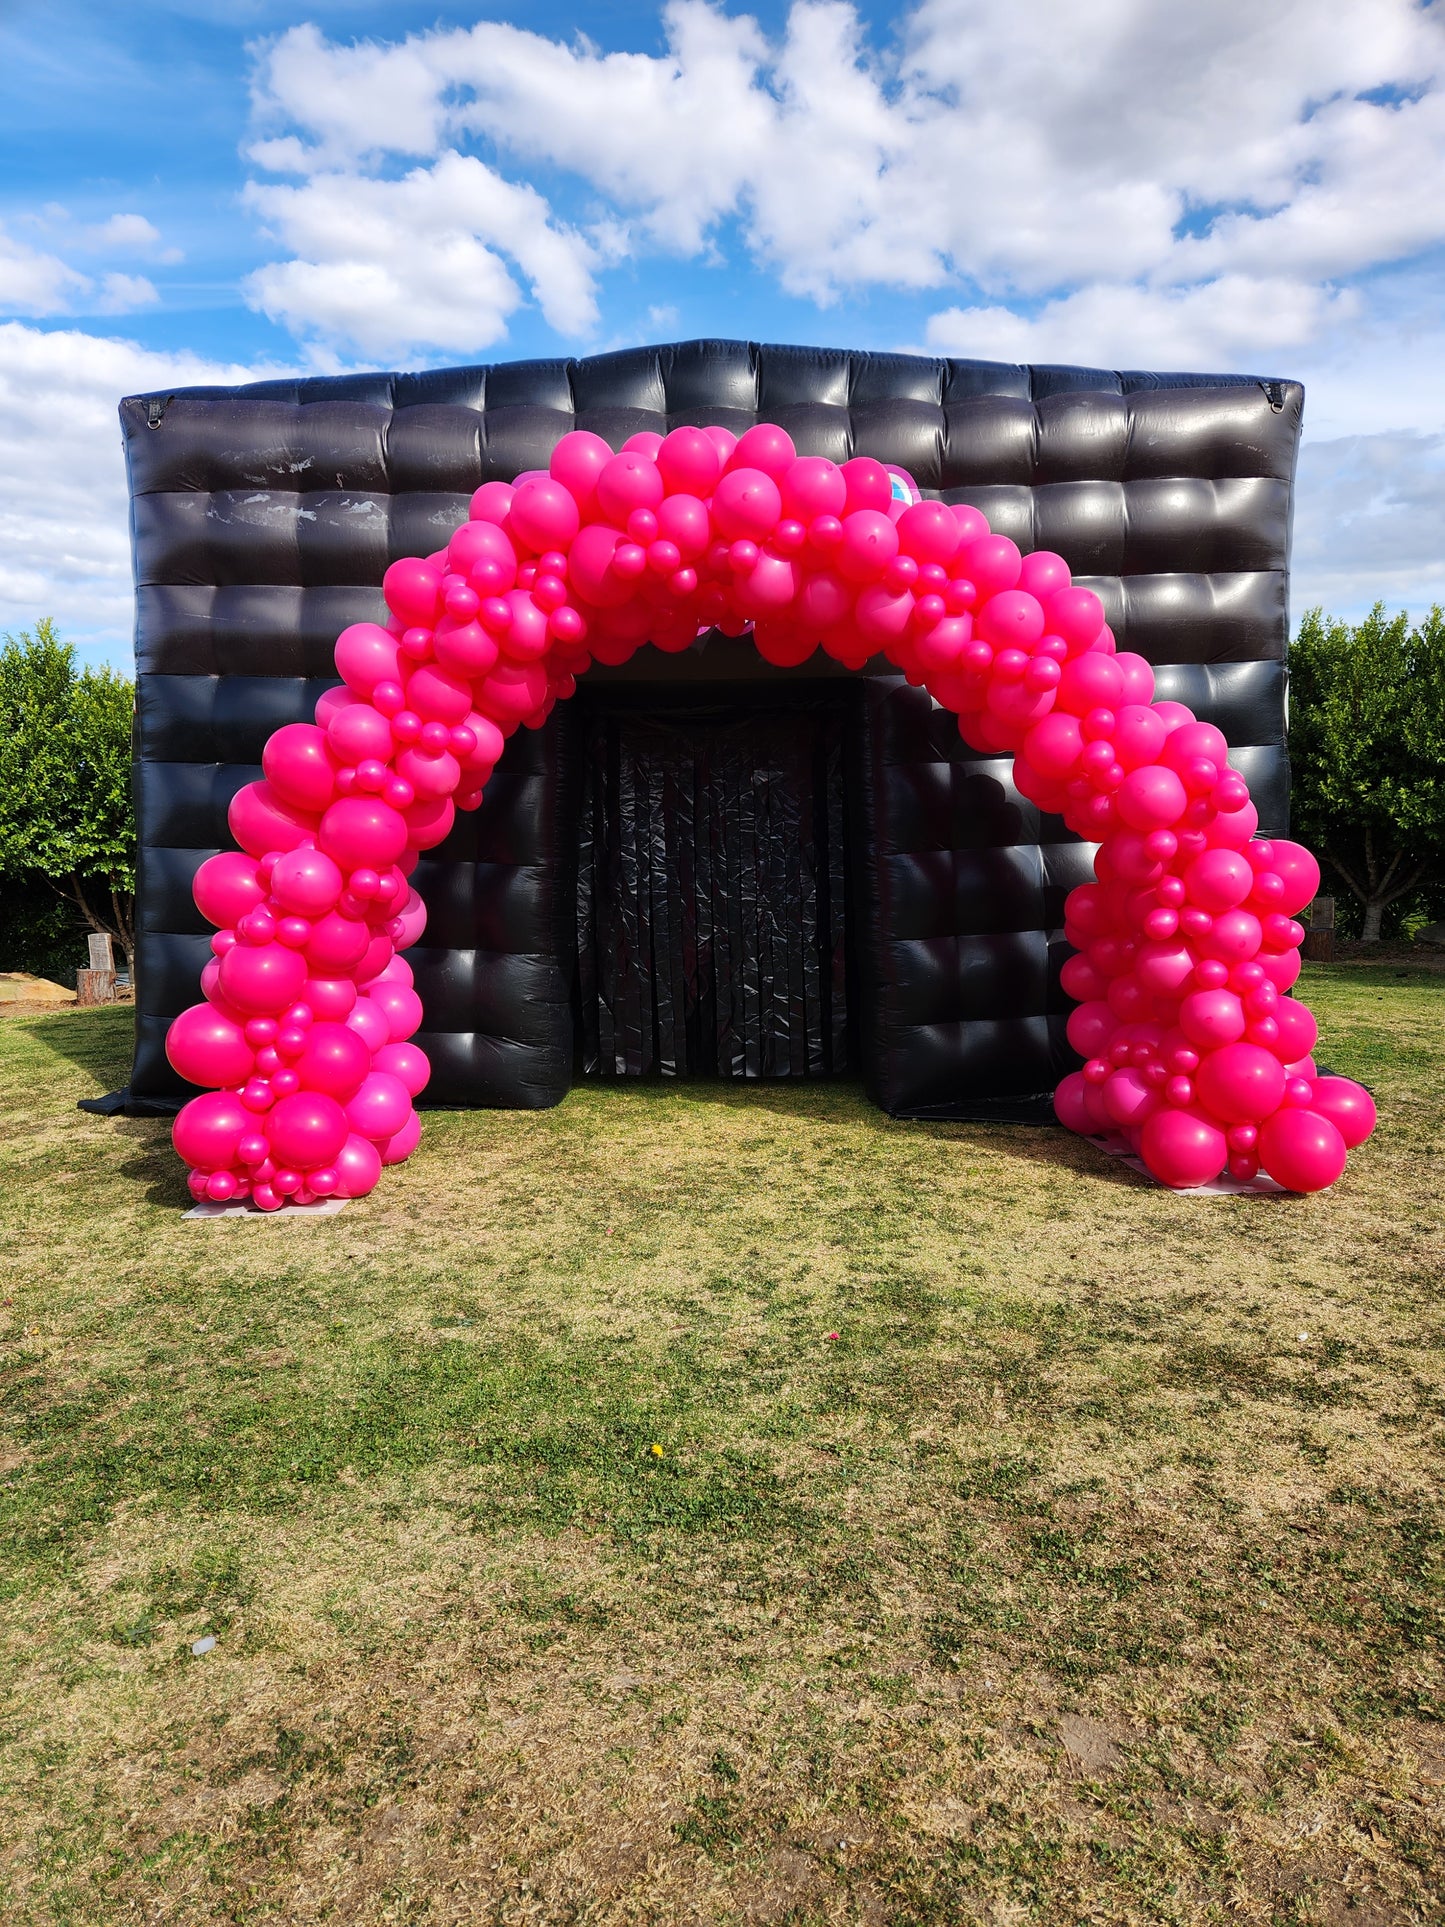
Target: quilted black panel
{"points": [[264, 516]]}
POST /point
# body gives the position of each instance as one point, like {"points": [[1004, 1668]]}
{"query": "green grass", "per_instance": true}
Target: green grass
{"points": [[1026, 1544]]}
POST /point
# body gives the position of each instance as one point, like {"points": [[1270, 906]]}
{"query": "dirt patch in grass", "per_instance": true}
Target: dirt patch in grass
{"points": [[1023, 1543]]}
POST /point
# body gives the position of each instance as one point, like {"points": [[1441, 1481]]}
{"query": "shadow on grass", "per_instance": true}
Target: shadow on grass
{"points": [[153, 1163], [99, 1042]]}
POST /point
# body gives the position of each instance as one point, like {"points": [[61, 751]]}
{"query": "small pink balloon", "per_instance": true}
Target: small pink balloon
{"points": [[208, 1130], [1301, 1150], [226, 887]]}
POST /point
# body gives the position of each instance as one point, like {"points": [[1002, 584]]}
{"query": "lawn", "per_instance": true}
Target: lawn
{"points": [[724, 1505]]}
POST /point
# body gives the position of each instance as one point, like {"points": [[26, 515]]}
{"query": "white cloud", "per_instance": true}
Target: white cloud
{"points": [[381, 264], [126, 231], [35, 283], [64, 549], [1119, 142], [1368, 523]]}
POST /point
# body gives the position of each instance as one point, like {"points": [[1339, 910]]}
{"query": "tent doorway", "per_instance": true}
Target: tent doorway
{"points": [[712, 895]]}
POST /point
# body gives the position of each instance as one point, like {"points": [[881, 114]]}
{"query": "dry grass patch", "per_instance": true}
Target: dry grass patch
{"points": [[1092, 1571]]}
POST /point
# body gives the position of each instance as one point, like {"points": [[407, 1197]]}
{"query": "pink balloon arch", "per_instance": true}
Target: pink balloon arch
{"points": [[1187, 943]]}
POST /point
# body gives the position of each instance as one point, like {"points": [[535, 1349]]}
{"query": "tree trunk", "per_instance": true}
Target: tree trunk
{"points": [[1374, 910]]}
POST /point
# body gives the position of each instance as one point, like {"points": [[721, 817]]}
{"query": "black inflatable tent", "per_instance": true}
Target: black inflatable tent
{"points": [[701, 864]]}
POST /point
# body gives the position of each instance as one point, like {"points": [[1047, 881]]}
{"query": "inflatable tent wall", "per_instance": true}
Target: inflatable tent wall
{"points": [[701, 863]]}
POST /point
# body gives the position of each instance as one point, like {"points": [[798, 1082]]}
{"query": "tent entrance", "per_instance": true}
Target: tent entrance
{"points": [[712, 912]]}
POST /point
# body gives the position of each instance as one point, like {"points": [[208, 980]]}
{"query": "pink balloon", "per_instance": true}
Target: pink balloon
{"points": [[397, 1149], [1233, 937], [813, 486], [263, 979], [262, 823], [1298, 1030], [1218, 880], [1299, 872], [577, 461], [334, 1059], [1210, 1018], [544, 515], [689, 462], [1090, 682], [358, 733], [1164, 968], [428, 821], [331, 999], [400, 1006], [380, 1107], [1090, 1027], [1182, 1150], [1151, 798], [226, 887], [1240, 1083], [1347, 1105], [1054, 745], [208, 1130], [1301, 1150], [205, 1047], [1070, 1106], [337, 944], [358, 1168], [412, 918], [870, 542], [413, 590], [369, 1023], [366, 654], [306, 1130], [407, 1063], [436, 695], [362, 832], [747, 504], [628, 481], [1075, 614], [306, 883], [1011, 620], [299, 768], [1128, 1099]]}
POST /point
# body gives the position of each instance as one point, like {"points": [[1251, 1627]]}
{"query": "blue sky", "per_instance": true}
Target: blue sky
{"points": [[206, 192]]}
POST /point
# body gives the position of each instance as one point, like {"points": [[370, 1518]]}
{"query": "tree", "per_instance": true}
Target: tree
{"points": [[1367, 751], [66, 813]]}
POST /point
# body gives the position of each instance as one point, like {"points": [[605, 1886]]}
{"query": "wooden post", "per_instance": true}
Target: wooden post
{"points": [[97, 985], [1319, 943]]}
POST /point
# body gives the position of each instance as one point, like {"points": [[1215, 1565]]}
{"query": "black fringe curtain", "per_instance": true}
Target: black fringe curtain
{"points": [[710, 894]]}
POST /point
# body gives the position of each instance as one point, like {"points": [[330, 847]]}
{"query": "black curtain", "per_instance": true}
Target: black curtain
{"points": [[710, 892]]}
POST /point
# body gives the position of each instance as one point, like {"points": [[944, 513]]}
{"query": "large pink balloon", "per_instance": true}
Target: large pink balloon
{"points": [[1301, 1150], [262, 980], [208, 1130], [380, 1107], [205, 1047], [1241, 1083], [358, 1167], [1347, 1105], [1182, 1150], [226, 887], [306, 1130], [334, 1059]]}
